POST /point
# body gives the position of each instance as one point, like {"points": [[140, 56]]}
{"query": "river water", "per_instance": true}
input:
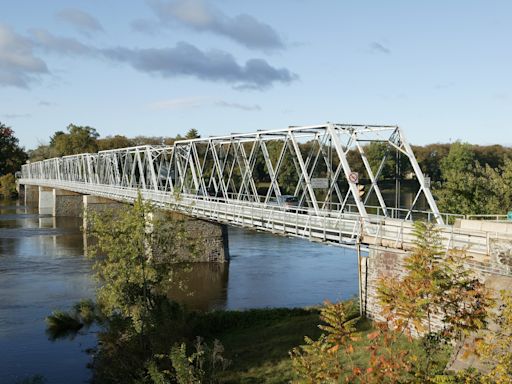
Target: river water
{"points": [[42, 268]]}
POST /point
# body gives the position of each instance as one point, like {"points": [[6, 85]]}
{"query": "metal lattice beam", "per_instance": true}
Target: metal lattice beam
{"points": [[256, 167]]}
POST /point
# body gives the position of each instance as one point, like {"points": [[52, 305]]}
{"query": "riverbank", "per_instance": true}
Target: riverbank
{"points": [[257, 342]]}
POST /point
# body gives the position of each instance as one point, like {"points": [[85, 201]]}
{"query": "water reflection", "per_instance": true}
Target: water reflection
{"points": [[41, 269]]}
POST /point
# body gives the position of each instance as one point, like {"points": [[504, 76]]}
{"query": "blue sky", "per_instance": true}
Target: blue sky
{"points": [[440, 69]]}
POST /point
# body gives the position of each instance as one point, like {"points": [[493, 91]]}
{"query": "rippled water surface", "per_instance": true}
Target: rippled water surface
{"points": [[42, 268]]}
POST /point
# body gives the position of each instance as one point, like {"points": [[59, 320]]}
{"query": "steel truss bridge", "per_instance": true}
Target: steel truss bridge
{"points": [[239, 179]]}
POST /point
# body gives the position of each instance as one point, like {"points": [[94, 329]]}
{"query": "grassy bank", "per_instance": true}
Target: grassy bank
{"points": [[258, 342]]}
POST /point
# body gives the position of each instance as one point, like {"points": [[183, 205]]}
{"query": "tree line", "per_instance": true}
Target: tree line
{"points": [[85, 139]]}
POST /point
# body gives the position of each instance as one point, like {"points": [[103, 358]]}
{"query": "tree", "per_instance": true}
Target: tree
{"points": [[192, 134], [114, 142], [494, 348], [475, 189], [437, 286], [8, 186], [79, 139], [12, 156]]}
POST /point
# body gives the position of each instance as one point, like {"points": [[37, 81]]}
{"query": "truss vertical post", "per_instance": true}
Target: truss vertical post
{"points": [[421, 178]]}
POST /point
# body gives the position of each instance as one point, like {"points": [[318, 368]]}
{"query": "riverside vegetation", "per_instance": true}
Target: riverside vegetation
{"points": [[145, 337]]}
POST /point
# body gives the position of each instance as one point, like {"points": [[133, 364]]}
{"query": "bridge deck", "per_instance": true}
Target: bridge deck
{"points": [[331, 227]]}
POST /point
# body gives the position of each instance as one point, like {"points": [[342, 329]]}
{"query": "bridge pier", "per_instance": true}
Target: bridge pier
{"points": [[95, 205], [207, 241], [31, 194], [204, 241], [67, 203], [46, 201]]}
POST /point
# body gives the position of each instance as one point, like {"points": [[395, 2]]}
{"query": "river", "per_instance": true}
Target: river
{"points": [[42, 268]]}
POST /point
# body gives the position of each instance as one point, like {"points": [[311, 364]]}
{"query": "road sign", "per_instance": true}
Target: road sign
{"points": [[353, 177], [319, 183], [427, 181], [509, 215]]}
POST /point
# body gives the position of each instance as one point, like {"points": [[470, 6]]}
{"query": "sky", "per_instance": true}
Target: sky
{"points": [[442, 70]]}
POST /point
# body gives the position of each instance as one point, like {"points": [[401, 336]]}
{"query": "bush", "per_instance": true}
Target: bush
{"points": [[8, 186]]}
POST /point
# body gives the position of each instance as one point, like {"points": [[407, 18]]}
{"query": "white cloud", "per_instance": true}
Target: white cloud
{"points": [[18, 64], [197, 15]]}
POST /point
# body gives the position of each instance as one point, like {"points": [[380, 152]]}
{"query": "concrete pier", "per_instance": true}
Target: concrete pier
{"points": [[46, 201], [31, 195]]}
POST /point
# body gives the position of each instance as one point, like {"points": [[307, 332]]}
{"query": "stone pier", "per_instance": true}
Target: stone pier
{"points": [[67, 203], [46, 201], [206, 241], [95, 205]]}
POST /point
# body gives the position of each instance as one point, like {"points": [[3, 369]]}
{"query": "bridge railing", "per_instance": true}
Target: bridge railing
{"points": [[499, 218], [490, 250]]}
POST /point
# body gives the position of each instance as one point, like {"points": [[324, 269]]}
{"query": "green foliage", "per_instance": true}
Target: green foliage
{"points": [[114, 142], [12, 156], [436, 286], [351, 352], [200, 367], [472, 188], [78, 140], [495, 347], [192, 134], [61, 325], [318, 360], [8, 186], [133, 259]]}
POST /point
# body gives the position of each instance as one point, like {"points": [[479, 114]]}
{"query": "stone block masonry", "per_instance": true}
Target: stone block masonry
{"points": [[67, 203], [206, 241], [387, 263]]}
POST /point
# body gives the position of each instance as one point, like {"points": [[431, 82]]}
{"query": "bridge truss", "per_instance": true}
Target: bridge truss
{"points": [[324, 166]]}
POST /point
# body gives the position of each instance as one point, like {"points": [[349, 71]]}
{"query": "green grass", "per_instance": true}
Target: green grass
{"points": [[258, 342]]}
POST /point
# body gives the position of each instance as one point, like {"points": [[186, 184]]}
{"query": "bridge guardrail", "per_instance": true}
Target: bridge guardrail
{"points": [[332, 227]]}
